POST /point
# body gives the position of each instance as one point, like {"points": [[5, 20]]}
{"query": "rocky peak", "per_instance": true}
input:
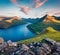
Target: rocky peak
{"points": [[16, 18], [49, 18]]}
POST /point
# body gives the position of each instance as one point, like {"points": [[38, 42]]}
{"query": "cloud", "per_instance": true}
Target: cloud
{"points": [[14, 1], [37, 1], [58, 13], [39, 4], [25, 9], [53, 12]]}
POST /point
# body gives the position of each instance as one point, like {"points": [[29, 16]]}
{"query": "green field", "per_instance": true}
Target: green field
{"points": [[55, 36]]}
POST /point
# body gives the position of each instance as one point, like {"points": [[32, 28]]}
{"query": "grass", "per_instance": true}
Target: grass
{"points": [[51, 29], [52, 35]]}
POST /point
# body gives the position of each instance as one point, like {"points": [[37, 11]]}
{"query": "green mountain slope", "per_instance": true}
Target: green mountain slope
{"points": [[40, 27], [4, 24], [52, 35], [37, 27], [50, 29]]}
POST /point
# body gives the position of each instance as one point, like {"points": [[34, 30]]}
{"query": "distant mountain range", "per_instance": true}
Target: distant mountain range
{"points": [[58, 18], [49, 18], [31, 20], [6, 22], [8, 18]]}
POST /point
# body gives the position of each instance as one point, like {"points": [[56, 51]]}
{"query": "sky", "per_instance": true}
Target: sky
{"points": [[29, 10]]}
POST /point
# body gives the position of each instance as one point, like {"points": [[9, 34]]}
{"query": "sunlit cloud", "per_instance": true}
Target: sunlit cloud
{"points": [[37, 1], [14, 1], [39, 4], [25, 9]]}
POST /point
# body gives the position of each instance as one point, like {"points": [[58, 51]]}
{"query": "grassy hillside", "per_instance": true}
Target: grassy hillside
{"points": [[55, 26], [4, 24], [50, 29], [52, 35], [39, 26]]}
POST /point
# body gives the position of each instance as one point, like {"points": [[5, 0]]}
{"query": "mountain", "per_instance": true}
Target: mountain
{"points": [[31, 20], [49, 18], [57, 18], [50, 29], [55, 36], [6, 22], [11, 19], [43, 23], [5, 18], [42, 18]]}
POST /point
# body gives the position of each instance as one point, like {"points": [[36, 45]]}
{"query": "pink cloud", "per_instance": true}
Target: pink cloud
{"points": [[39, 4], [14, 1], [37, 0], [25, 9]]}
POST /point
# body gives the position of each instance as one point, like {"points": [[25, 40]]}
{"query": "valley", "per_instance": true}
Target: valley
{"points": [[50, 29]]}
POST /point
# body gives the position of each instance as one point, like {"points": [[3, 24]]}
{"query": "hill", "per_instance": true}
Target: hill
{"points": [[50, 29], [57, 18], [49, 18], [6, 22], [45, 22], [30, 20], [52, 35], [46, 16], [40, 27]]}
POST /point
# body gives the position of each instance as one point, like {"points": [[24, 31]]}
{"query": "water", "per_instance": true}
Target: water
{"points": [[16, 33]]}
